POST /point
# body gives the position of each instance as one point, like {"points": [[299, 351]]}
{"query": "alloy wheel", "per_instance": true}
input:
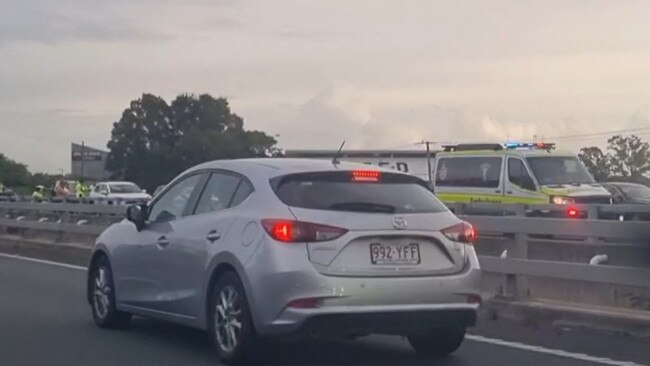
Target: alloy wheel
{"points": [[101, 293], [227, 319]]}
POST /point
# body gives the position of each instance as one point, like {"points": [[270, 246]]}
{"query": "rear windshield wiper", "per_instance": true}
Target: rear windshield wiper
{"points": [[363, 207]]}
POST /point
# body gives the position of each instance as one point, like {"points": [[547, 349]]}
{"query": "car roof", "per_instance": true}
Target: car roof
{"points": [[622, 184], [523, 153], [273, 167]]}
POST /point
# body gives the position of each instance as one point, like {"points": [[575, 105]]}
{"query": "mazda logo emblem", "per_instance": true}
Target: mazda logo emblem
{"points": [[399, 223]]}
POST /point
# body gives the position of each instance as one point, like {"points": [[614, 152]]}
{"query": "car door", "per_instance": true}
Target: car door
{"points": [[520, 185], [145, 263], [469, 178], [206, 230]]}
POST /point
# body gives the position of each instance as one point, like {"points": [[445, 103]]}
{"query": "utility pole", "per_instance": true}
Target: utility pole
{"points": [[427, 143], [429, 162], [83, 159]]}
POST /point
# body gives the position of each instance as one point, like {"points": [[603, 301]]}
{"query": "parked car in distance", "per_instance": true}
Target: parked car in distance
{"points": [[263, 248], [119, 191], [623, 192], [8, 195]]}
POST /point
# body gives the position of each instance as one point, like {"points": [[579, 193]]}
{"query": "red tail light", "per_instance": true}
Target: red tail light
{"points": [[572, 212], [290, 231], [365, 176], [463, 233]]}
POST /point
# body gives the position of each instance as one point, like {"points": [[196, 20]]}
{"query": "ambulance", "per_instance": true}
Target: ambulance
{"points": [[530, 173]]}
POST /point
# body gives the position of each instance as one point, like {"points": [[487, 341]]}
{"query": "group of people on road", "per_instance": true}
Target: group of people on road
{"points": [[62, 188]]}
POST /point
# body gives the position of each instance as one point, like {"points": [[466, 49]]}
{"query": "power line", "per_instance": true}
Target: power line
{"points": [[598, 134]]}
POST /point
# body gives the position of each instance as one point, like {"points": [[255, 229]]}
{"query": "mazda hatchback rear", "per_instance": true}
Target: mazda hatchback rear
{"points": [[250, 249]]}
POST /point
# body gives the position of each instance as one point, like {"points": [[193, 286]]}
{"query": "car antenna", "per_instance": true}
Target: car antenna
{"points": [[335, 159]]}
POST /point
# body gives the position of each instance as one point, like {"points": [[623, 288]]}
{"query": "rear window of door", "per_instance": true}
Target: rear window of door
{"points": [[337, 191], [473, 172], [218, 193], [173, 204], [244, 190]]}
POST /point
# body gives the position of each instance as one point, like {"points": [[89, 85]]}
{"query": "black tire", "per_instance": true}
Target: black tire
{"points": [[243, 349], [439, 343], [102, 297]]}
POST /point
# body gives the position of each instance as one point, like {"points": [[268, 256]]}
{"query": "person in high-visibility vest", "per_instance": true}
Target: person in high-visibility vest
{"points": [[80, 189], [37, 195]]}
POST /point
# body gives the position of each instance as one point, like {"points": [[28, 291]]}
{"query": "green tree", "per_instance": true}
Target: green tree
{"points": [[597, 162], [13, 174], [630, 157], [154, 141], [141, 142]]}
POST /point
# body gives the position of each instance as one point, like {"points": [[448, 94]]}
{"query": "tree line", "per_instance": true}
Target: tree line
{"points": [[154, 140], [16, 175], [626, 158]]}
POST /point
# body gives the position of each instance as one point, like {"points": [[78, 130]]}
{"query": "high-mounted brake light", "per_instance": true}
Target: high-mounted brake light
{"points": [[291, 231], [365, 176], [462, 233]]}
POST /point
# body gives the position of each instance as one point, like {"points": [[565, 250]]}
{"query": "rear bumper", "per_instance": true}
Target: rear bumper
{"points": [[390, 305], [360, 321]]}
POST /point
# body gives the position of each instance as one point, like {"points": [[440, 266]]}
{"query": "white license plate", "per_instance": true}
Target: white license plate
{"points": [[394, 253]]}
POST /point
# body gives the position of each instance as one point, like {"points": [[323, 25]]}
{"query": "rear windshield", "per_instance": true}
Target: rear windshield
{"points": [[337, 191]]}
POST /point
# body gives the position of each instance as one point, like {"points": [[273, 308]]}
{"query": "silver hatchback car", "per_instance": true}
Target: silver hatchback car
{"points": [[258, 248]]}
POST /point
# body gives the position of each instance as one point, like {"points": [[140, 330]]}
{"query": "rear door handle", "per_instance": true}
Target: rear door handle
{"points": [[213, 236], [509, 192], [163, 241]]}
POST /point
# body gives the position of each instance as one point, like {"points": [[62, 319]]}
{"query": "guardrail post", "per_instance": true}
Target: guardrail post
{"points": [[63, 218], [593, 211], [517, 286]]}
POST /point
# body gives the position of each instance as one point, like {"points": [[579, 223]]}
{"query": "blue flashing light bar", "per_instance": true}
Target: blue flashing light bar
{"points": [[529, 145]]}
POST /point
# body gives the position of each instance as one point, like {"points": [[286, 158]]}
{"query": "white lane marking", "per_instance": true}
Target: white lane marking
{"points": [[548, 351], [475, 338], [29, 259]]}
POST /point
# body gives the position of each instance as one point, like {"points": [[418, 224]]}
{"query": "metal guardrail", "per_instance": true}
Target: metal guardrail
{"points": [[74, 222], [594, 212], [514, 230]]}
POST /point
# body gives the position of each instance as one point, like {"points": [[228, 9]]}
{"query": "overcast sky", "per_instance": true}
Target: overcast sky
{"points": [[379, 74]]}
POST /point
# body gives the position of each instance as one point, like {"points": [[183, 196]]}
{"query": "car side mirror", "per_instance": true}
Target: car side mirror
{"points": [[137, 214], [528, 184]]}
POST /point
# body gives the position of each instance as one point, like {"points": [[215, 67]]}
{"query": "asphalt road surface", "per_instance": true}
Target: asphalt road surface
{"points": [[45, 320]]}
